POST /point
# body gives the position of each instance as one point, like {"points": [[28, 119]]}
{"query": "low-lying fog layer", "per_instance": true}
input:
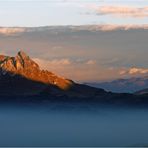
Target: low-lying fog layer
{"points": [[37, 126]]}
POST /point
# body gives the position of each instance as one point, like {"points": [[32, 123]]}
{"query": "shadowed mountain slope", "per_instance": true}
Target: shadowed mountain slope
{"points": [[21, 79]]}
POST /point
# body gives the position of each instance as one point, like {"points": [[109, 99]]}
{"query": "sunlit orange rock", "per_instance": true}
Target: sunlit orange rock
{"points": [[23, 65]]}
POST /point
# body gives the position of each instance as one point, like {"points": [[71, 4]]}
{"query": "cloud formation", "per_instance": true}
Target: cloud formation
{"points": [[78, 70], [54, 62], [121, 11], [111, 27], [11, 31], [91, 62], [134, 71]]}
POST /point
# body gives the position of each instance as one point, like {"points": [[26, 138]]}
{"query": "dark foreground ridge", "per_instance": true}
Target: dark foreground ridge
{"points": [[22, 80]]}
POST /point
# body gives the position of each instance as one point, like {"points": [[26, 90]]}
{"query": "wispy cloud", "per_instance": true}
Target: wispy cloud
{"points": [[110, 27], [69, 3], [134, 71], [91, 62], [73, 69], [11, 31], [54, 62], [121, 11], [60, 62]]}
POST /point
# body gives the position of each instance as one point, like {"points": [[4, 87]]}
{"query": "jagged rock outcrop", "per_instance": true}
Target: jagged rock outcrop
{"points": [[24, 66]]}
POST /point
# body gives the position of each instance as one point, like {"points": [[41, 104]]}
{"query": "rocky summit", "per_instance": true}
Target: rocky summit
{"points": [[24, 66]]}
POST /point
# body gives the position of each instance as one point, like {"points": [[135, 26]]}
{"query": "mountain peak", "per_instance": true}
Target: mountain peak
{"points": [[22, 54], [24, 66]]}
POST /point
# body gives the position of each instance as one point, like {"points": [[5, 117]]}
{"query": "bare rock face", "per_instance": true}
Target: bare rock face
{"points": [[24, 66]]}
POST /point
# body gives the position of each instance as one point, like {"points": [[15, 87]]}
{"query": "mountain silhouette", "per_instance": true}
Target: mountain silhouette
{"points": [[22, 80], [21, 76]]}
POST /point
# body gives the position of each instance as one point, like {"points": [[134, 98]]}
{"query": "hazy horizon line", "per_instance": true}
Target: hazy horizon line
{"points": [[63, 25]]}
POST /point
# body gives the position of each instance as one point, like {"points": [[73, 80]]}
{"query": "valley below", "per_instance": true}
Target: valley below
{"points": [[72, 125]]}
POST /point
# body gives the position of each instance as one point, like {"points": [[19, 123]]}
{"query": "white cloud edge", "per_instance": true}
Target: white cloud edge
{"points": [[133, 71], [100, 27]]}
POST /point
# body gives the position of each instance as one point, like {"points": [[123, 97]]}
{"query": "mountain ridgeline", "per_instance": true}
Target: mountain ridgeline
{"points": [[21, 76], [130, 85], [22, 80]]}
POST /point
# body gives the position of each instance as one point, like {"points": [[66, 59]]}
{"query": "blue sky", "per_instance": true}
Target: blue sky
{"points": [[68, 12]]}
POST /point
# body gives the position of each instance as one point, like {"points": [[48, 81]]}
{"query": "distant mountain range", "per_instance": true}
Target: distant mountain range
{"points": [[142, 92], [22, 80], [130, 85]]}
